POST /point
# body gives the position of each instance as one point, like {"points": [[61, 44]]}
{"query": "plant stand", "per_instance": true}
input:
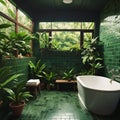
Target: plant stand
{"points": [[72, 82], [33, 85]]}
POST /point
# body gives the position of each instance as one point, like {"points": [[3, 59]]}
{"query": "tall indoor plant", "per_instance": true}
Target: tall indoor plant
{"points": [[91, 56], [18, 95], [36, 69], [68, 75], [50, 79], [4, 48], [20, 43], [6, 77]]}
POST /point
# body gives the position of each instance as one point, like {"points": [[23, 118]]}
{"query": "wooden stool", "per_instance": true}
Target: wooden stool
{"points": [[33, 85]]}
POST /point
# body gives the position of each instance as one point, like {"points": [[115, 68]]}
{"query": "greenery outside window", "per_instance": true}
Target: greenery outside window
{"points": [[68, 41], [7, 8], [23, 19], [66, 35]]}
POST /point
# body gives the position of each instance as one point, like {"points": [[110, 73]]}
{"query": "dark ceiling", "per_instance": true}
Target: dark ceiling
{"points": [[50, 10]]}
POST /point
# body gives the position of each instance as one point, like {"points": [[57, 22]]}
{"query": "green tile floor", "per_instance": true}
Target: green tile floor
{"points": [[59, 105]]}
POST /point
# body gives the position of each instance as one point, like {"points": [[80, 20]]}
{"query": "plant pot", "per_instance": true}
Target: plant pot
{"points": [[15, 53], [48, 87], [1, 102], [42, 86], [17, 109], [0, 57]]}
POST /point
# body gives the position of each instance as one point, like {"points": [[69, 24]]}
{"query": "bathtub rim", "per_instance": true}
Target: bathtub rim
{"points": [[100, 90]]}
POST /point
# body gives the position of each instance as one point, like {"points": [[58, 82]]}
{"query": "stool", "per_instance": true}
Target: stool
{"points": [[33, 85]]}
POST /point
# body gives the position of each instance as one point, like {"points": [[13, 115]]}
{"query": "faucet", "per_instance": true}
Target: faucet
{"points": [[111, 81]]}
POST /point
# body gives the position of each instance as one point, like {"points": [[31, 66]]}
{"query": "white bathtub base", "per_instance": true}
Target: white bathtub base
{"points": [[98, 101], [94, 108], [81, 102]]}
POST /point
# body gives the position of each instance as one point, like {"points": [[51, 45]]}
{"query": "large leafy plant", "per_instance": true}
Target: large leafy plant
{"points": [[91, 56], [68, 75], [37, 69], [6, 77], [49, 77], [20, 42], [4, 47], [18, 93]]}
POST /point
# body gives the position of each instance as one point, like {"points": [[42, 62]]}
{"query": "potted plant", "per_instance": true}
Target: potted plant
{"points": [[4, 48], [18, 95], [50, 79], [91, 56], [36, 72], [20, 43], [44, 39], [6, 77], [68, 75]]}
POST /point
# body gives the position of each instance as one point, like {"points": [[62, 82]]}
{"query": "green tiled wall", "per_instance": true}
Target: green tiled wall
{"points": [[110, 35], [60, 61], [19, 65]]}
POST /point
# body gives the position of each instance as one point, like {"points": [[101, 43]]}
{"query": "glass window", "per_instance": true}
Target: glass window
{"points": [[87, 25], [87, 37], [66, 35], [44, 40], [23, 19], [21, 29], [66, 25], [45, 25], [7, 8], [5, 21], [65, 40]]}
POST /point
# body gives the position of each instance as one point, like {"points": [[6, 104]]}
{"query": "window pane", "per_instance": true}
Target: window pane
{"points": [[87, 25], [65, 40], [20, 29], [5, 21], [59, 25], [7, 8], [45, 25], [44, 40], [87, 38], [23, 19], [66, 25]]}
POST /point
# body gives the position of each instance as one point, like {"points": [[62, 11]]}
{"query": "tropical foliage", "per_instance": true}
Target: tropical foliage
{"points": [[91, 56], [6, 77], [68, 75], [64, 40], [18, 93], [50, 77], [7, 8], [36, 70]]}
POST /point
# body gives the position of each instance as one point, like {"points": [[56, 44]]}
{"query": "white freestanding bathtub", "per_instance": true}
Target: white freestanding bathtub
{"points": [[98, 94]]}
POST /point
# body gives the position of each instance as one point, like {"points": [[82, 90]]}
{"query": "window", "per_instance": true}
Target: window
{"points": [[7, 8], [66, 35], [23, 19], [70, 40]]}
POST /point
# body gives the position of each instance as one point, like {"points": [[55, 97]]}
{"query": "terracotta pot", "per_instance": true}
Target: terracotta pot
{"points": [[1, 102], [17, 109]]}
